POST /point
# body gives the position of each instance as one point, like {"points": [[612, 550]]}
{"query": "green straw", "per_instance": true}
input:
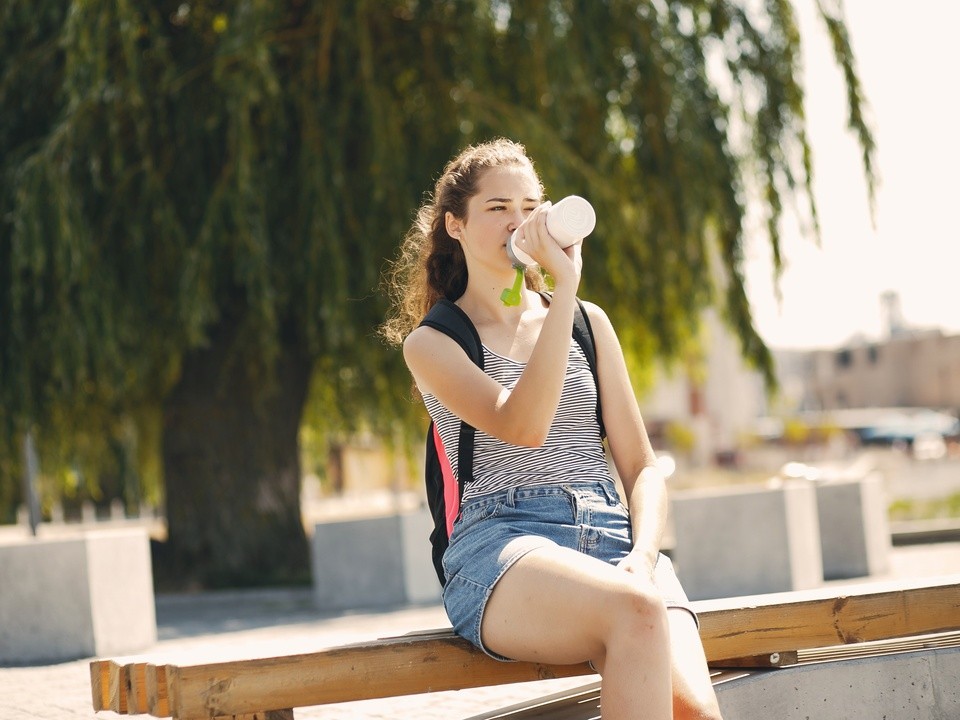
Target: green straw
{"points": [[511, 296]]}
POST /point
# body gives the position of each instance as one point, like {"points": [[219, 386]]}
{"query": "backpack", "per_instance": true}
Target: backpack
{"points": [[443, 489]]}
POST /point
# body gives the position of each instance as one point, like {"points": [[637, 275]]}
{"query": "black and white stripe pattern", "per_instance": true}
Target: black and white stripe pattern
{"points": [[573, 451]]}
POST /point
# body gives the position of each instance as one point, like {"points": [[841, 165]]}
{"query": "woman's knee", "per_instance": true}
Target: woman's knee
{"points": [[634, 621], [638, 607]]}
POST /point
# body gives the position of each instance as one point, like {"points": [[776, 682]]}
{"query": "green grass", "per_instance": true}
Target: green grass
{"points": [[926, 509]]}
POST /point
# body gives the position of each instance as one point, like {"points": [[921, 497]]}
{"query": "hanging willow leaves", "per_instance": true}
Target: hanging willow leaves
{"points": [[198, 200]]}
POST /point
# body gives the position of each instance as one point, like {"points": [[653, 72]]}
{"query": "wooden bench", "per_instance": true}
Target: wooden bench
{"points": [[759, 631]]}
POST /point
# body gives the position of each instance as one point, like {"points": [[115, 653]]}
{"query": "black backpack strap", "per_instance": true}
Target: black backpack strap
{"points": [[583, 334], [448, 318], [453, 322]]}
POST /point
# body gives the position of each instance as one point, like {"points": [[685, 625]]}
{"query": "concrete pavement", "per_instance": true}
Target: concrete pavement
{"points": [[261, 623]]}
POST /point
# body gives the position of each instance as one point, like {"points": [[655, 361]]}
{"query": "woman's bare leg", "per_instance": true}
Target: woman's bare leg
{"points": [[557, 605], [693, 694]]}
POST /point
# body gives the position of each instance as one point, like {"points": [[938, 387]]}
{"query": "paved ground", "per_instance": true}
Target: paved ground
{"points": [[232, 625]]}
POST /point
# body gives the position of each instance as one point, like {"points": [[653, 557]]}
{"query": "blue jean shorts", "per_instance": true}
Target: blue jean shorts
{"points": [[495, 530]]}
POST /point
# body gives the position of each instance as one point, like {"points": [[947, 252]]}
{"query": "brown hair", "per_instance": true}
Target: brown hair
{"points": [[431, 264]]}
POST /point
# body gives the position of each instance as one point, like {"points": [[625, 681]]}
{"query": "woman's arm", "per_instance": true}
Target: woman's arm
{"points": [[521, 416], [630, 447]]}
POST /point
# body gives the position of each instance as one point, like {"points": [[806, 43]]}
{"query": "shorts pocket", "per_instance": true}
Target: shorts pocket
{"points": [[473, 513]]}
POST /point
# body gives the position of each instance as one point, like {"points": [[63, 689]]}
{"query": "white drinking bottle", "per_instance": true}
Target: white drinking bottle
{"points": [[569, 221]]}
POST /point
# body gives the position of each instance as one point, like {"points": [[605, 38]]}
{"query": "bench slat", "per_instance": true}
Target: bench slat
{"points": [[100, 684], [766, 660], [117, 685], [385, 668], [827, 621], [156, 686], [136, 688]]}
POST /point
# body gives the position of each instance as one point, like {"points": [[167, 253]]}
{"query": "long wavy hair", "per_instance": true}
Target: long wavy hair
{"points": [[431, 264]]}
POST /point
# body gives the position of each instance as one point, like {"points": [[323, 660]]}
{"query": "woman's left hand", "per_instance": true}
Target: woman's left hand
{"points": [[639, 563]]}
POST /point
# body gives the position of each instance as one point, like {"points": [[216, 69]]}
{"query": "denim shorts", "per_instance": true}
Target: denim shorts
{"points": [[494, 531]]}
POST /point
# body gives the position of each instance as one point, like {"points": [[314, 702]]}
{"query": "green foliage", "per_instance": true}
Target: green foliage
{"points": [[795, 432], [680, 437], [937, 508], [164, 165]]}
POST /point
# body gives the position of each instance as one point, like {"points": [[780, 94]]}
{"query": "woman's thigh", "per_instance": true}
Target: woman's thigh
{"points": [[575, 536], [556, 605]]}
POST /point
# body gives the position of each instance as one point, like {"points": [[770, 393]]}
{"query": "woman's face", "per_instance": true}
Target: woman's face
{"points": [[505, 196]]}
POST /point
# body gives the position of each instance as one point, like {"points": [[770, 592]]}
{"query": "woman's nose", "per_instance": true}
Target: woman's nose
{"points": [[516, 219]]}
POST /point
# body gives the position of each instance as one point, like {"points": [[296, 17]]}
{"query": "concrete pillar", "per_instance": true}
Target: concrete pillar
{"points": [[83, 595], [88, 512], [118, 510], [420, 579], [736, 541], [373, 562], [854, 529], [899, 686]]}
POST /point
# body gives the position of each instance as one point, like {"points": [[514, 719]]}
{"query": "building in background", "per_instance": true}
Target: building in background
{"points": [[705, 413], [905, 385]]}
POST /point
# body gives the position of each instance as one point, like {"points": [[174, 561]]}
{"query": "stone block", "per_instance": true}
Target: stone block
{"points": [[68, 597], [854, 529], [897, 686], [420, 579], [373, 562], [731, 542]]}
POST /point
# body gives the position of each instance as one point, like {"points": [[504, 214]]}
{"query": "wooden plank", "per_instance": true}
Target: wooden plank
{"points": [[787, 622], [100, 684], [766, 660], [384, 668], [881, 647], [137, 688], [156, 687], [172, 674], [117, 685], [440, 661]]}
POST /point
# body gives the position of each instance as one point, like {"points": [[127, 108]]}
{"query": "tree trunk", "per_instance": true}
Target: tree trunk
{"points": [[232, 470]]}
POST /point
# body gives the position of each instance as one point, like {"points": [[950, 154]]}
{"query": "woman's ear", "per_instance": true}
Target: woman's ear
{"points": [[454, 225]]}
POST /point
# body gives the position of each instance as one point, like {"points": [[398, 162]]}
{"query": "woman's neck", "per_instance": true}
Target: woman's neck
{"points": [[481, 301]]}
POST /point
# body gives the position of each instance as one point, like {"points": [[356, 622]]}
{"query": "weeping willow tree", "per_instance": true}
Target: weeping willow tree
{"points": [[197, 200]]}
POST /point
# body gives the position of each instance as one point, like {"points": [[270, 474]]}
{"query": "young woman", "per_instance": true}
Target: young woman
{"points": [[545, 563]]}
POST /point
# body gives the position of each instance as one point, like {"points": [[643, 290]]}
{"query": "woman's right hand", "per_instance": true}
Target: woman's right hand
{"points": [[563, 264]]}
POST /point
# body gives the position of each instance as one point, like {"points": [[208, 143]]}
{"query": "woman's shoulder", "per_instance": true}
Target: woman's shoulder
{"points": [[594, 312], [429, 343], [422, 349], [420, 338], [604, 334]]}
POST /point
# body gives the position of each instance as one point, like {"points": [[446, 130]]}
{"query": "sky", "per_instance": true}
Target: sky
{"points": [[907, 62]]}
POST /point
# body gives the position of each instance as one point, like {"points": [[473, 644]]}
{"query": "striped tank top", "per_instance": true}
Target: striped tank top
{"points": [[573, 451]]}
